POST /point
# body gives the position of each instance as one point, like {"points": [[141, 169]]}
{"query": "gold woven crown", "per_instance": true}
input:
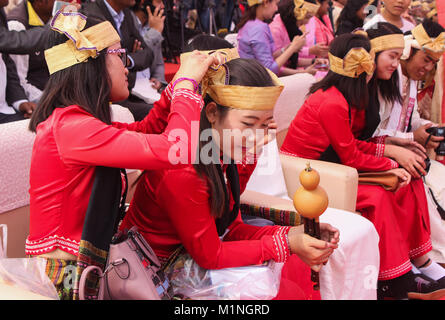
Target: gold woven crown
{"points": [[302, 8], [356, 61], [435, 47], [387, 42], [81, 44], [215, 84], [251, 3]]}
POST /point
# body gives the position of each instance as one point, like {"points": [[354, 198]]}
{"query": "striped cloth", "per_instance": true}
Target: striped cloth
{"points": [[62, 275], [279, 217]]}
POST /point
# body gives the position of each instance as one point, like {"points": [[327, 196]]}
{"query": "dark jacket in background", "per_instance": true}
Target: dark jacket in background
{"points": [[14, 91], [143, 58], [22, 42], [38, 74]]}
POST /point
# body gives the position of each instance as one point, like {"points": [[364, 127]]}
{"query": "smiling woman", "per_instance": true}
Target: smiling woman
{"points": [[205, 218], [75, 135]]}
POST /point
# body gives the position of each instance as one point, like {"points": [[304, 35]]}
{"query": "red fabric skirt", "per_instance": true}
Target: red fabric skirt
{"points": [[402, 222], [296, 281]]}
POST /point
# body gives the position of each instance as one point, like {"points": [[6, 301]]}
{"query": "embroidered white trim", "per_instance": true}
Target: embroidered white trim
{"points": [[380, 150], [49, 243], [394, 164], [381, 139], [419, 251], [281, 244], [168, 91], [288, 153], [394, 272], [186, 93]]}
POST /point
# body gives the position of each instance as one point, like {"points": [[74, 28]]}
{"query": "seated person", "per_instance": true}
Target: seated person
{"points": [[195, 206], [149, 20], [319, 32], [14, 104], [139, 54], [75, 135], [398, 117], [351, 17], [326, 128], [285, 26], [32, 69], [255, 39], [393, 13]]}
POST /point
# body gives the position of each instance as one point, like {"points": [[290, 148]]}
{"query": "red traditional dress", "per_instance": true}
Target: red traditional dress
{"points": [[400, 218], [71, 143], [171, 207]]}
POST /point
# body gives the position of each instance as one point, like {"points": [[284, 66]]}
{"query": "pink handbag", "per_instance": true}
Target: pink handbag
{"points": [[133, 271]]}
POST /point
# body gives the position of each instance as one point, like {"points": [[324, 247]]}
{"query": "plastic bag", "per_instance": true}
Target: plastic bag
{"points": [[242, 283], [28, 274]]}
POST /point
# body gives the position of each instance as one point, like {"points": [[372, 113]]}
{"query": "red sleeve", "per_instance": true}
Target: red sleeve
{"points": [[185, 198], [334, 118], [374, 146], [156, 120], [106, 145]]}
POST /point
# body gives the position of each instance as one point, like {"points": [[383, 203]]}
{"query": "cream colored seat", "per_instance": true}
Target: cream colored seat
{"points": [[339, 181], [342, 277], [16, 146]]}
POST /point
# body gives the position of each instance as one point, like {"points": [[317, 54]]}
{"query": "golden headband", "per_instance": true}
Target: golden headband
{"points": [[415, 4], [299, 11], [388, 42], [81, 45], [302, 8], [421, 40], [215, 84], [432, 13], [356, 61], [251, 3]]}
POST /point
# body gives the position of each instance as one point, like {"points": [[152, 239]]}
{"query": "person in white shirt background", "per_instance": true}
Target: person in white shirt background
{"points": [[14, 104], [31, 68], [392, 12]]}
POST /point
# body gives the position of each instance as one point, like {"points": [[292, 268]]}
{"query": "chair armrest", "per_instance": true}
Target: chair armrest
{"points": [[280, 211], [340, 182]]}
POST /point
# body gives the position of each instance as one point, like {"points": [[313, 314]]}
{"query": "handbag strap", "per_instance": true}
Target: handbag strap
{"points": [[439, 208], [83, 280]]}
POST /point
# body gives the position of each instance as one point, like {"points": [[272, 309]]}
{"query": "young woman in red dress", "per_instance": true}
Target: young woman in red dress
{"points": [[74, 135], [199, 205], [327, 127]]}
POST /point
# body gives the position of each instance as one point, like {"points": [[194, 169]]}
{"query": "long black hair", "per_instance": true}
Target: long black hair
{"points": [[389, 89], [245, 72], [348, 20], [355, 90], [86, 84], [206, 42], [286, 11], [249, 14]]}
